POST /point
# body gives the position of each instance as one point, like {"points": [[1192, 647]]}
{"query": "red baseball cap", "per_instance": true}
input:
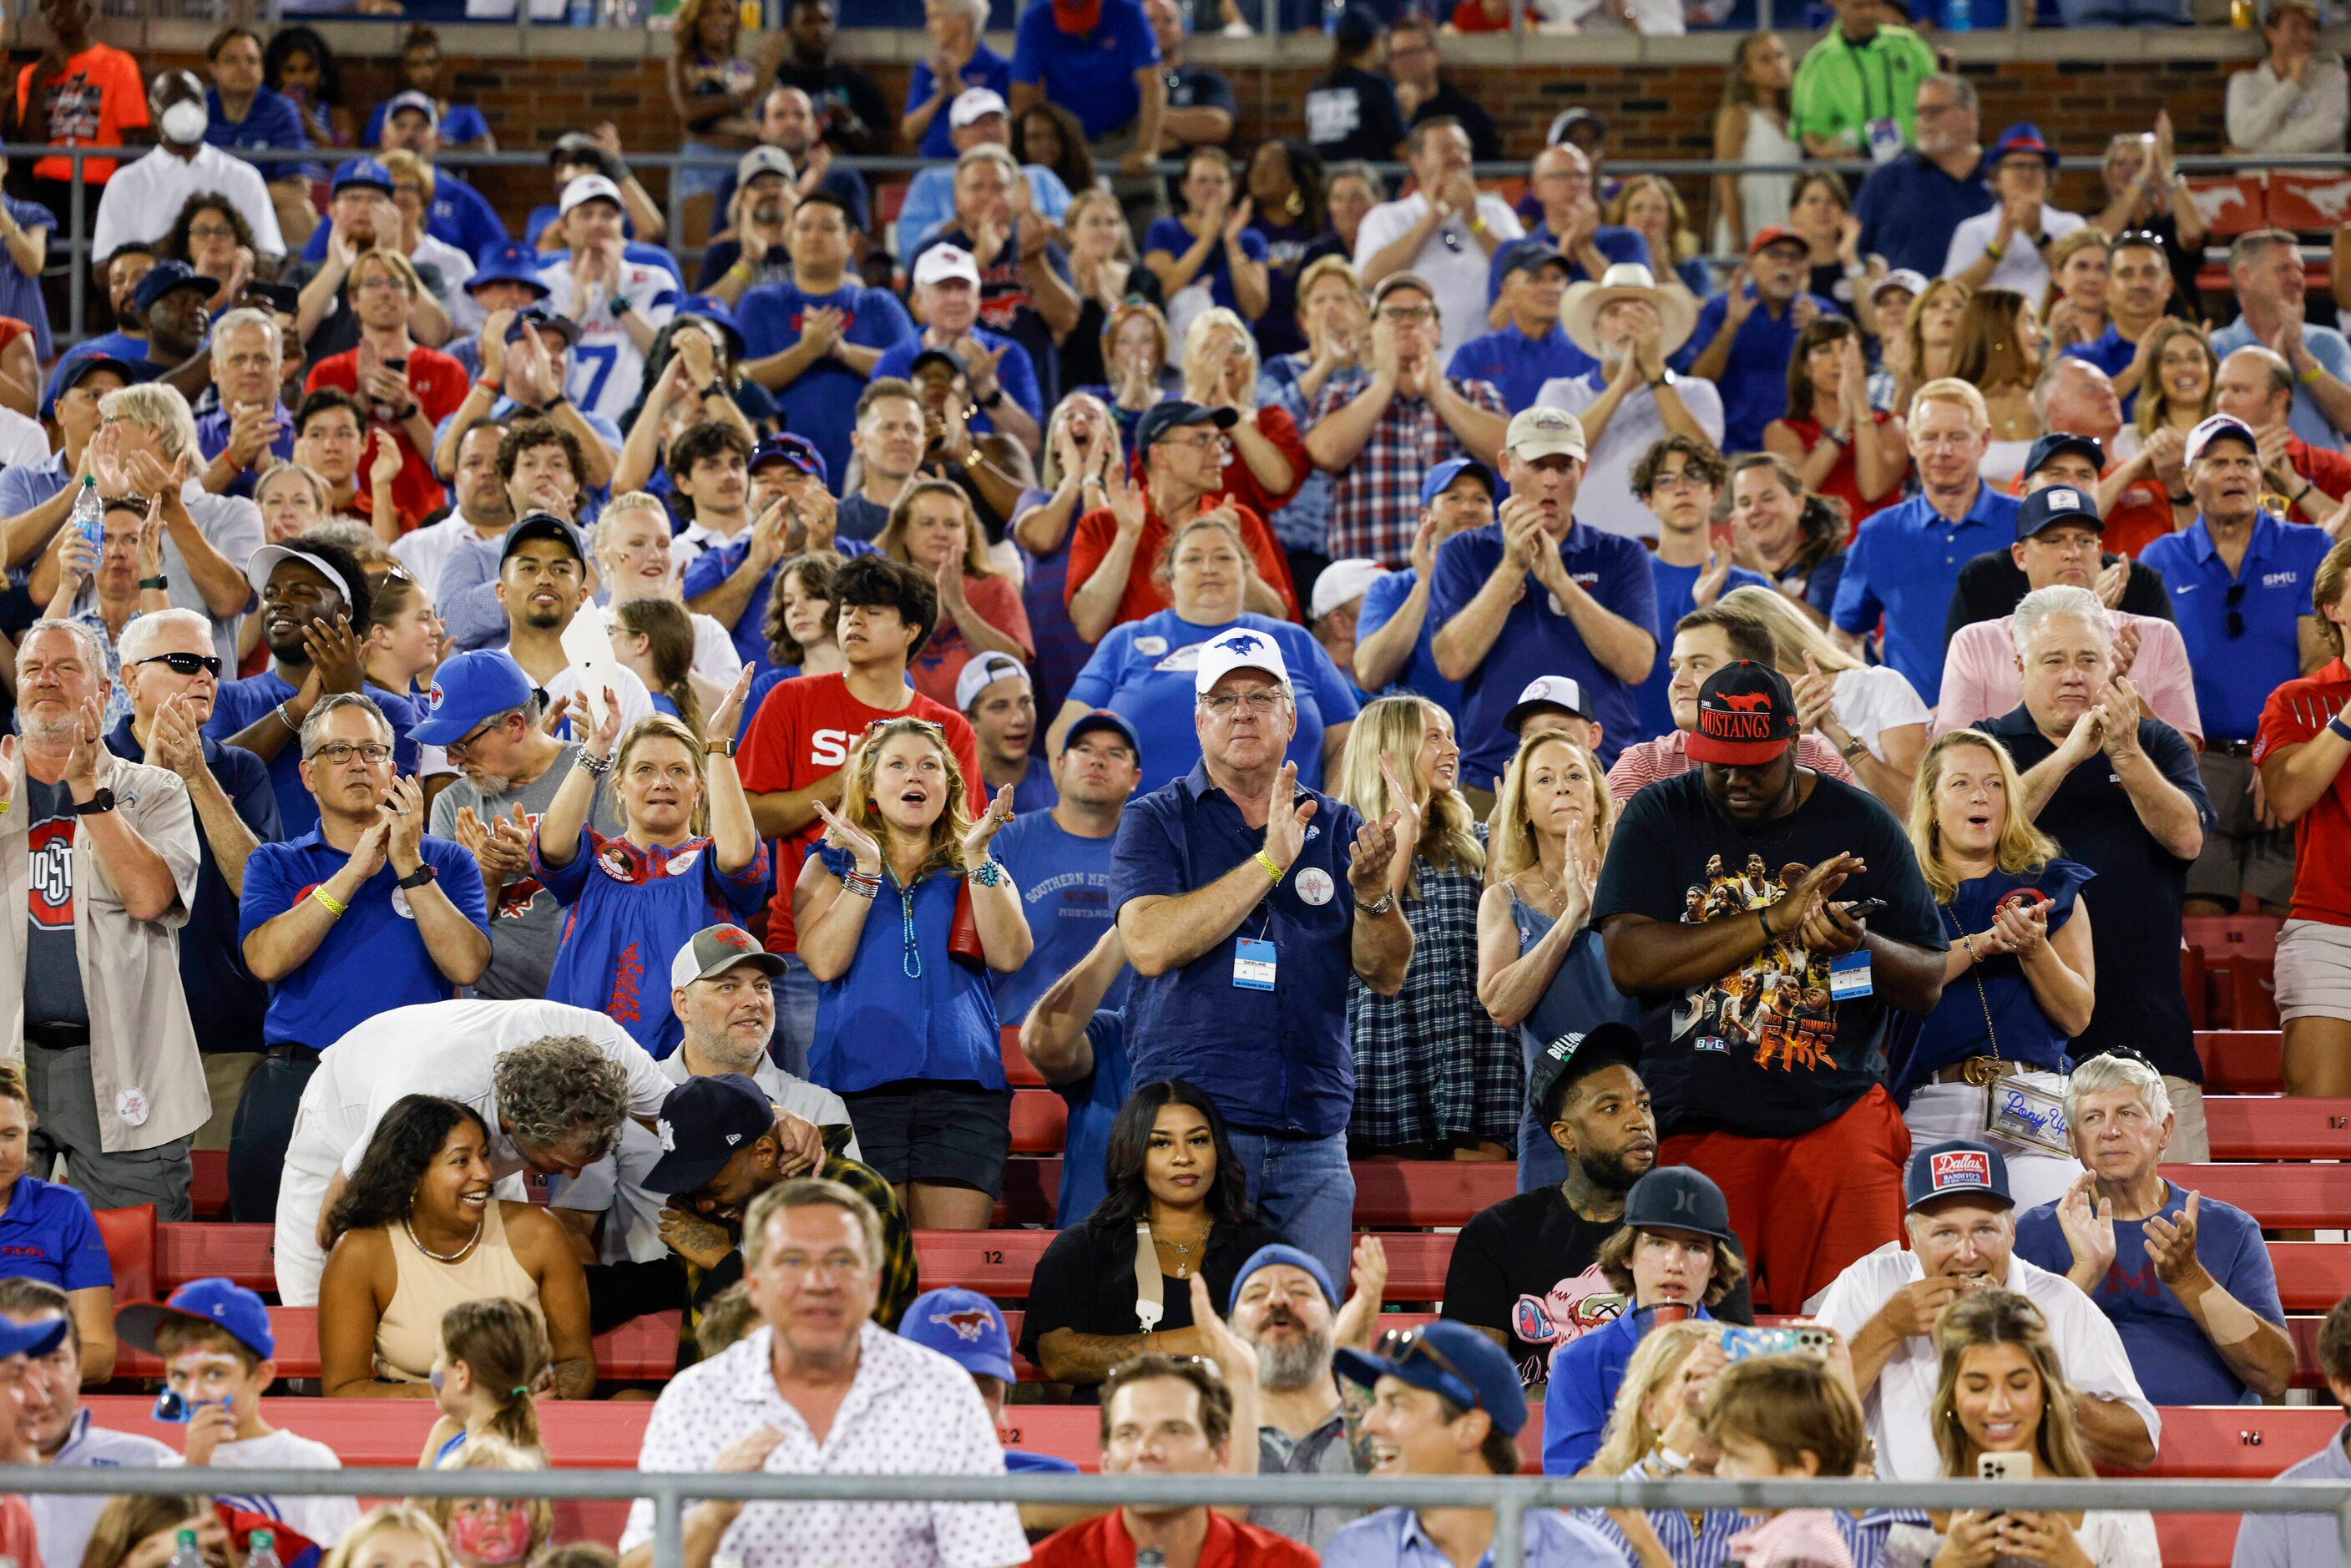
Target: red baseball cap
{"points": [[1077, 16], [1775, 233], [1746, 715]]}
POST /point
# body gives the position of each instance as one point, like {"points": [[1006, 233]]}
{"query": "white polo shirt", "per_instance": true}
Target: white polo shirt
{"points": [[2022, 269], [1452, 260], [1901, 1406], [144, 198]]}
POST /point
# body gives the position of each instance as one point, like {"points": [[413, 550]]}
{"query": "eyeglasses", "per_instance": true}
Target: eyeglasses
{"points": [[2232, 599], [1676, 479], [1407, 314], [335, 753], [185, 664], [1260, 703], [456, 749], [1207, 442]]}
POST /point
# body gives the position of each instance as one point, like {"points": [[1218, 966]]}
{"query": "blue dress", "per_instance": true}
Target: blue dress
{"points": [[906, 1007], [1580, 995], [631, 911], [1990, 1010]]}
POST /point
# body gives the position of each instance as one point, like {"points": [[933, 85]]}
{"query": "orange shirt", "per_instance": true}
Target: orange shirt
{"points": [[98, 98]]}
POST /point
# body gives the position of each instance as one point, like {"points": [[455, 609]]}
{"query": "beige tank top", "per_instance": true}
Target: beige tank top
{"points": [[408, 1336]]}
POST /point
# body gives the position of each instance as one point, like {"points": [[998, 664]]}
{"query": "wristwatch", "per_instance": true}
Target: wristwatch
{"points": [[724, 747], [420, 876], [1379, 906], [158, 583], [993, 400], [98, 805]]}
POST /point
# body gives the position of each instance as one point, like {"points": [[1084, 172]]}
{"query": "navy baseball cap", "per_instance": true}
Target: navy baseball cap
{"points": [[169, 278], [1281, 1252], [1103, 719], [2057, 443], [539, 316], [2023, 137], [509, 262], [1746, 715], [540, 526], [1447, 1358], [1441, 479], [935, 357], [964, 1326], [220, 1302], [2054, 504], [797, 451], [362, 172], [1162, 417], [468, 689], [702, 1123], [1572, 1057], [1941, 1170], [73, 367], [1529, 254], [718, 313], [1679, 1197]]}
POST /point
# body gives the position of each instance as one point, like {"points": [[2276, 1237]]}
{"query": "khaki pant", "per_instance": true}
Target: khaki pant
{"points": [[225, 1075], [2191, 1141]]}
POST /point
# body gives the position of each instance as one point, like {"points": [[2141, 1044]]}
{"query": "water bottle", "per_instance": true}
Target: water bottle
{"points": [[185, 1553], [262, 1549], [1958, 16], [89, 514]]}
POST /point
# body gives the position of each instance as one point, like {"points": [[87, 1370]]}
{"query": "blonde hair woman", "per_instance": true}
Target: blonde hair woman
{"points": [[1650, 206], [1221, 371], [1102, 265], [932, 526], [1661, 1397], [1997, 352], [2074, 310], [632, 561], [1924, 348], [906, 1028], [1869, 712], [1541, 967], [1434, 1074], [2018, 981]]}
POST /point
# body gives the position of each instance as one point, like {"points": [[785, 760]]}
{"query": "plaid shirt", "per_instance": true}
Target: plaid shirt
{"points": [[1376, 501]]}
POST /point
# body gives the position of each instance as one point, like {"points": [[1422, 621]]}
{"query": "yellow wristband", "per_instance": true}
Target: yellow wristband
{"points": [[2312, 373], [1995, 250], [328, 901], [1271, 870]]}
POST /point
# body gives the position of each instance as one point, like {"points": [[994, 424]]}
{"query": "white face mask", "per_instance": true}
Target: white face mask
{"points": [[183, 124]]}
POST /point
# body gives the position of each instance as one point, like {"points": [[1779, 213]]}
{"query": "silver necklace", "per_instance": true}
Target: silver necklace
{"points": [[470, 1243]]}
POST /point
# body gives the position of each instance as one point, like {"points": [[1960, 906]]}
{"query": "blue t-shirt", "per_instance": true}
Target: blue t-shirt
{"points": [[1170, 236], [1585, 1372], [1677, 597], [1537, 640], [1272, 1060], [1905, 565], [460, 123], [984, 69], [1143, 671], [1016, 373], [1990, 1010], [212, 440], [821, 404], [239, 703], [20, 291], [876, 1024], [2171, 1357], [2327, 346], [2270, 592], [46, 1233], [1036, 791], [1754, 379], [1093, 1102], [1517, 364], [1381, 601], [372, 959], [1909, 208], [270, 121], [1064, 883], [1092, 74]]}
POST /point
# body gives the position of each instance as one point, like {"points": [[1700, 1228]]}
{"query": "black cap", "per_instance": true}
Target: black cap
{"points": [[1679, 1197], [1162, 417], [930, 356], [283, 297], [2057, 443], [703, 1123], [169, 278], [2053, 504], [1527, 254], [1746, 715], [1356, 30], [1572, 1057], [540, 526]]}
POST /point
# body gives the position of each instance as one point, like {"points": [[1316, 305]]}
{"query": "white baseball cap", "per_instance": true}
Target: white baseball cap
{"points": [[983, 673], [1242, 648], [2212, 429], [590, 188], [1543, 431], [1547, 691], [973, 104], [942, 262], [1902, 278], [1342, 582]]}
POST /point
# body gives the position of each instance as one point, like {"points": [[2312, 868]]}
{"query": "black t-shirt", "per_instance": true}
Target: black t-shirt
{"points": [[1485, 141], [861, 120], [1085, 1280], [1353, 113], [1765, 1052], [1992, 584], [1197, 87], [2141, 886]]}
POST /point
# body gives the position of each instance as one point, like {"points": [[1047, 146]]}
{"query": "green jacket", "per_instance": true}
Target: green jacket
{"points": [[1841, 86]]}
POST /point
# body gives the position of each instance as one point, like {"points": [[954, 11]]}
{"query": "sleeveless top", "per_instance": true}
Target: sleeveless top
{"points": [[408, 1335], [1990, 1010], [1580, 995], [1762, 198]]}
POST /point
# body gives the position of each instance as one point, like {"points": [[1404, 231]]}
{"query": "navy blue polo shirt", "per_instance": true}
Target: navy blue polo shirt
{"points": [[2111, 352], [2235, 675], [1091, 75], [372, 960], [212, 440], [1905, 565], [46, 1233], [1517, 364], [1273, 1062], [1909, 208], [1754, 379], [226, 1003]]}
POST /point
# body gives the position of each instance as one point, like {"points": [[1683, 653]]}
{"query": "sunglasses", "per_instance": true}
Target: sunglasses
{"points": [[186, 664], [2235, 623], [1402, 1345]]}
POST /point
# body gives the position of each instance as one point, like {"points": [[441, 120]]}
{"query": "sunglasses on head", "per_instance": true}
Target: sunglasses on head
{"points": [[186, 664], [1402, 1345]]}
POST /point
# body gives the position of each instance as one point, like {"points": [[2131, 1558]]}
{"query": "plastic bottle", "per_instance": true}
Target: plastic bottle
{"points": [[89, 514], [1958, 16], [580, 14], [185, 1553], [263, 1550]]}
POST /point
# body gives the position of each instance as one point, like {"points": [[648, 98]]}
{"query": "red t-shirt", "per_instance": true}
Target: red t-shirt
{"points": [[100, 96], [2141, 515], [945, 652], [805, 729], [1098, 528], [2295, 712], [1469, 16], [1275, 424], [1105, 1544], [2330, 471], [439, 383], [1844, 481]]}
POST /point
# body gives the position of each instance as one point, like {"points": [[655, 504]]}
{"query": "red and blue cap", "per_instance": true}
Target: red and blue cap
{"points": [[797, 450], [220, 1302], [2023, 137], [964, 1326], [1944, 1170], [466, 690]]}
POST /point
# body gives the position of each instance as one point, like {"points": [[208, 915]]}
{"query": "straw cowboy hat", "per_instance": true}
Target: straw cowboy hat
{"points": [[1626, 280]]}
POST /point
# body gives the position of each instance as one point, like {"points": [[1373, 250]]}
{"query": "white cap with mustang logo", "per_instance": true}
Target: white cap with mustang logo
{"points": [[1238, 649], [942, 262]]}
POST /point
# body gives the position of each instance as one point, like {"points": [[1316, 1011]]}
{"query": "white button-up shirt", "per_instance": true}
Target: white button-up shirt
{"points": [[1900, 1408], [143, 199], [910, 1411], [1605, 498], [1451, 259]]}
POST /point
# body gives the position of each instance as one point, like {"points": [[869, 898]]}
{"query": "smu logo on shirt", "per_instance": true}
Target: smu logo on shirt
{"points": [[830, 748], [51, 844], [2280, 578]]}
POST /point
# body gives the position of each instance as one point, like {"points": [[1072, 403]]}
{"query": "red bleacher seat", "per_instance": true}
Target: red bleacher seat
{"points": [[2281, 1197], [1390, 1193], [1040, 1117], [2242, 1061], [196, 1251], [2248, 1127], [209, 1189], [889, 200], [2192, 987], [1017, 1068], [2240, 1442], [130, 1237]]}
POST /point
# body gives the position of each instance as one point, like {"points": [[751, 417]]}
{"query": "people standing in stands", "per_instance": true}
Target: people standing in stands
{"points": [[2265, 272], [1926, 344], [1132, 349], [1909, 205], [417, 1232], [1219, 368], [251, 431], [1104, 272], [417, 924], [1868, 712], [714, 92], [886, 438], [141, 200], [1746, 336], [1287, 192], [994, 692], [1335, 321], [933, 529], [1562, 178], [1059, 857], [2296, 99], [1751, 126], [172, 678], [1210, 246], [541, 469], [1083, 450], [1351, 111], [1855, 91], [961, 58], [1677, 480], [2177, 393], [1004, 379], [1785, 532], [2256, 386], [1024, 273], [1528, 347], [1394, 633], [1841, 446], [1446, 235], [616, 304], [2081, 415], [1998, 351], [406, 388], [1649, 206]]}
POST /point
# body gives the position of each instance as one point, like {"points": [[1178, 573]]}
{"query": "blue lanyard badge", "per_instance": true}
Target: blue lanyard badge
{"points": [[1849, 976], [1253, 963]]}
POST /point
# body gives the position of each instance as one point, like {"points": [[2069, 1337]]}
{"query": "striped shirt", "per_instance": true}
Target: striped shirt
{"points": [[1668, 757], [1703, 1540]]}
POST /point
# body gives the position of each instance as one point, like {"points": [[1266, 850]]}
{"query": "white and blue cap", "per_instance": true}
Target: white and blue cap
{"points": [[964, 1326], [2219, 426], [1242, 648], [982, 672], [1960, 1166]]}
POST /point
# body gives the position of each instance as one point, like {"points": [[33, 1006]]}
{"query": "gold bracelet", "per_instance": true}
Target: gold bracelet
{"points": [[329, 901]]}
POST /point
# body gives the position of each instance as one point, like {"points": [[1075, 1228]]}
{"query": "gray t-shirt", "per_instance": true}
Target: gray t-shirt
{"points": [[526, 921], [53, 991]]}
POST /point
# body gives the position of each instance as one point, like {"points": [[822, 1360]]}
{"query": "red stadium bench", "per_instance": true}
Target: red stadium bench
{"points": [[1039, 1118], [644, 1350], [2260, 1127], [2242, 1061], [2240, 1442], [1017, 1067], [129, 1235], [2281, 1197], [1391, 1194], [2312, 1276], [198, 1252]]}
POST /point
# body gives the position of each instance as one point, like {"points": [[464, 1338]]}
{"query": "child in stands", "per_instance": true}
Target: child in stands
{"points": [[493, 1354]]}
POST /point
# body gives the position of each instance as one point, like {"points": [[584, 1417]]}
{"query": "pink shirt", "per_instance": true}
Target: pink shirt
{"points": [[1981, 679], [1668, 757]]}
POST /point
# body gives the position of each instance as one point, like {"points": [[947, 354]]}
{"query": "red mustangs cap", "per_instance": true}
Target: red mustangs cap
{"points": [[1746, 715], [1077, 16]]}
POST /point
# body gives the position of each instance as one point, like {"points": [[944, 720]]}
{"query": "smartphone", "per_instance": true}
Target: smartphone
{"points": [[1739, 1342], [2003, 1468], [1862, 908]]}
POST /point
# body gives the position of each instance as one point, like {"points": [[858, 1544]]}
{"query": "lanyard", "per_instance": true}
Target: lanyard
{"points": [[1854, 54]]}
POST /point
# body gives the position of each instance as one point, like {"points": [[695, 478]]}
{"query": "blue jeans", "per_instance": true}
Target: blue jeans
{"points": [[795, 992], [1304, 1188]]}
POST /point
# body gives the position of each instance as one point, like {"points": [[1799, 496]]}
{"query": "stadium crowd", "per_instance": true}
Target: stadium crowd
{"points": [[1341, 670]]}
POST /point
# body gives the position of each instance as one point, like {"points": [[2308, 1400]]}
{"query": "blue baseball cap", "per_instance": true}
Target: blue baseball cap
{"points": [[703, 1123], [964, 1326], [31, 1339], [468, 689], [220, 1302], [361, 171], [73, 367], [2023, 137], [1281, 1252], [1451, 1359], [532, 316], [510, 261], [718, 313], [2057, 443], [1103, 719], [169, 278], [797, 450], [1441, 479], [1941, 1170]]}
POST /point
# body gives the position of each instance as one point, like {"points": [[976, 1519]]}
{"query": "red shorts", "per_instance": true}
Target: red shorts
{"points": [[1806, 1207]]}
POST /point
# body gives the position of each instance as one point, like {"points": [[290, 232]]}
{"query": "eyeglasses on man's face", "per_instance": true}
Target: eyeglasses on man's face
{"points": [[1224, 705], [336, 753]]}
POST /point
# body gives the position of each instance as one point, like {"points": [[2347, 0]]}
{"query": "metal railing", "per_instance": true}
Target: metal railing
{"points": [[1510, 1497]]}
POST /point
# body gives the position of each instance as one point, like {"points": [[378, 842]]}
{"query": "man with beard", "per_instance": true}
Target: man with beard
{"points": [[1284, 1309], [542, 582], [361, 216], [483, 513], [143, 199], [789, 122], [1524, 1272], [753, 255], [1628, 401], [484, 714], [102, 852], [1746, 335], [168, 306], [121, 274]]}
